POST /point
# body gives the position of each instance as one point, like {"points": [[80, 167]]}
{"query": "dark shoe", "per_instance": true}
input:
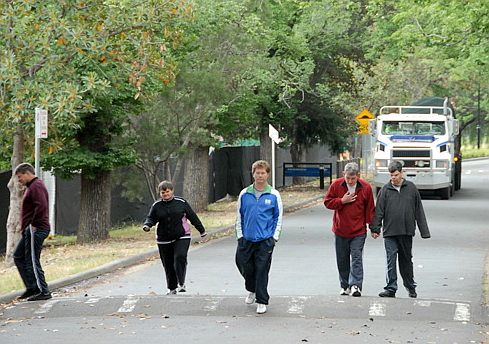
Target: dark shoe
{"points": [[412, 293], [40, 297], [387, 293], [28, 293]]}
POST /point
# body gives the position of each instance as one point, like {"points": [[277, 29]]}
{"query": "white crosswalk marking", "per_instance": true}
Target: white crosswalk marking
{"points": [[94, 300], [46, 307], [422, 303], [296, 305], [377, 309], [462, 312], [128, 305], [212, 305]]}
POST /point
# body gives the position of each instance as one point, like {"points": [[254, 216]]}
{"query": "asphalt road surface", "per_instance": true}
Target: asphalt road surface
{"points": [[129, 305]]}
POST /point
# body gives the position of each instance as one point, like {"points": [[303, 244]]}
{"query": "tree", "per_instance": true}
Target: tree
{"points": [[449, 38], [221, 49], [311, 48], [89, 64]]}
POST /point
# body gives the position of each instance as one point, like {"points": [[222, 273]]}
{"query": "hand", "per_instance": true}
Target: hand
{"points": [[375, 235], [146, 228], [349, 197]]}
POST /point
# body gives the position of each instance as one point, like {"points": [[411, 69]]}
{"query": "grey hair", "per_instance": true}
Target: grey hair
{"points": [[395, 165], [351, 168]]}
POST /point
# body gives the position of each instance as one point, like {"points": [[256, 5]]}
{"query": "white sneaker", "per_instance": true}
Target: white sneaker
{"points": [[181, 289], [261, 308], [355, 291], [250, 298], [172, 292], [344, 291]]}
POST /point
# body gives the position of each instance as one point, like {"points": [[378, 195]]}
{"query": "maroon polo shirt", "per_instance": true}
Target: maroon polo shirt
{"points": [[35, 205]]}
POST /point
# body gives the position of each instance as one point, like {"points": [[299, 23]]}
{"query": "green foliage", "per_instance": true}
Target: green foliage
{"points": [[85, 62], [448, 39]]}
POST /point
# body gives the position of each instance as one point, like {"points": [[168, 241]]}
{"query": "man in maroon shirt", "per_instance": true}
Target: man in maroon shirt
{"points": [[35, 229], [352, 200]]}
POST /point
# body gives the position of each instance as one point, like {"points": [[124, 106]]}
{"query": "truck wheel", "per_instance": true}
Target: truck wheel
{"points": [[444, 193]]}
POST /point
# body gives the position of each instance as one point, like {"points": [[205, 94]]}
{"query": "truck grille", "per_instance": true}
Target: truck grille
{"points": [[416, 164], [411, 154]]}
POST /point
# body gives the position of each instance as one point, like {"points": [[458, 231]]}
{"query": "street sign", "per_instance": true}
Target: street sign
{"points": [[41, 123], [364, 116], [273, 134], [362, 119], [363, 129]]}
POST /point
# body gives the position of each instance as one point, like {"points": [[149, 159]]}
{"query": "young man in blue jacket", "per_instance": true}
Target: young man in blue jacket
{"points": [[258, 226]]}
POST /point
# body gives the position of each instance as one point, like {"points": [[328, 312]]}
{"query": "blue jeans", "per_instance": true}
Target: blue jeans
{"points": [[399, 248], [27, 259], [349, 258], [254, 260]]}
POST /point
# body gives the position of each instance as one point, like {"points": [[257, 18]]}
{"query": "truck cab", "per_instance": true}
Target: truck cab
{"points": [[422, 138]]}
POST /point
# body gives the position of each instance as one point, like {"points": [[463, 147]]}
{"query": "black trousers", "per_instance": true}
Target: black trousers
{"points": [[27, 258], [174, 258], [254, 260], [399, 248]]}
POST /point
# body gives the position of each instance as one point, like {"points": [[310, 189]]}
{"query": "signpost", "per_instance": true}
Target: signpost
{"points": [[41, 133], [274, 135]]}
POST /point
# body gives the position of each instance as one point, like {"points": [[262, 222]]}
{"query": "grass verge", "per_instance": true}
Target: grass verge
{"points": [[468, 153]]}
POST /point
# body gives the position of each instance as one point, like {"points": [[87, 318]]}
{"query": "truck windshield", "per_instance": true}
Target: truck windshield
{"points": [[413, 128]]}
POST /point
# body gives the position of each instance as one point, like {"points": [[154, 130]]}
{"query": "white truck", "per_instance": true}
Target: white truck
{"points": [[424, 139]]}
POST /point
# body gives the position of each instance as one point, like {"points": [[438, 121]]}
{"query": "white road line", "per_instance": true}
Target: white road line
{"points": [[422, 303], [212, 305], [46, 307], [377, 309], [94, 300], [296, 305], [128, 305], [462, 312]]}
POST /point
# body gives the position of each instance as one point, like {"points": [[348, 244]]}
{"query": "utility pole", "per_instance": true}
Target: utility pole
{"points": [[479, 116]]}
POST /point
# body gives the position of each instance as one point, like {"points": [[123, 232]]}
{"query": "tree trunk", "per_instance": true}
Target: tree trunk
{"points": [[94, 208], [265, 145], [14, 232], [196, 177], [297, 155]]}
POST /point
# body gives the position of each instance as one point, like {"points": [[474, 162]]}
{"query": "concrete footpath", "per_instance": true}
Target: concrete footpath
{"points": [[136, 259]]}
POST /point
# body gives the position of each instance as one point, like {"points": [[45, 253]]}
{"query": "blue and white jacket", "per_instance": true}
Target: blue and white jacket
{"points": [[259, 219]]}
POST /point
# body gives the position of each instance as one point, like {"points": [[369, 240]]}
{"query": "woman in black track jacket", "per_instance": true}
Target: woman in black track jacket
{"points": [[173, 234]]}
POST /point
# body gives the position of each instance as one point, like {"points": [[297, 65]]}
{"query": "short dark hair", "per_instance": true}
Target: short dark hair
{"points": [[394, 166], [165, 185], [24, 168]]}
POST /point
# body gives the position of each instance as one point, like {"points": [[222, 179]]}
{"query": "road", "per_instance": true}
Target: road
{"points": [[130, 305]]}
